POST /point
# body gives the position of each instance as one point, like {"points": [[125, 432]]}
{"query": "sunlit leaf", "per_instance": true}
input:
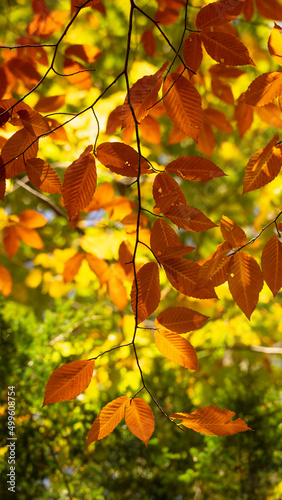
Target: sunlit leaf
{"points": [[148, 297], [108, 419], [167, 193], [263, 166], [68, 381], [225, 48], [194, 168], [189, 218], [43, 176], [271, 264], [140, 420], [121, 159], [181, 319], [264, 89], [176, 348], [218, 13], [72, 266], [232, 233], [6, 282]]}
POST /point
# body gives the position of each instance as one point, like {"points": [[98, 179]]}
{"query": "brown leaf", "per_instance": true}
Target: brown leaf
{"points": [[121, 159], [43, 176], [167, 193], [264, 89], [232, 233], [225, 48], [189, 218], [194, 168], [148, 286], [217, 13]]}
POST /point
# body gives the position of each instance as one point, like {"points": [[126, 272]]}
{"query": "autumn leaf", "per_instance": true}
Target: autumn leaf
{"points": [[68, 381], [176, 348], [264, 89], [72, 266], [107, 420], [212, 420], [192, 52], [189, 218], [275, 44], [181, 319], [270, 10], [263, 166], [214, 270], [167, 193], [183, 104], [245, 281], [79, 183], [121, 159], [43, 176], [217, 13], [140, 420], [271, 264], [6, 282], [148, 287], [194, 168], [225, 48], [182, 274], [232, 233], [21, 141]]}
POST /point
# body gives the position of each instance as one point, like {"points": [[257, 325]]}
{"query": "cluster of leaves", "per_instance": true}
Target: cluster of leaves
{"points": [[177, 95]]}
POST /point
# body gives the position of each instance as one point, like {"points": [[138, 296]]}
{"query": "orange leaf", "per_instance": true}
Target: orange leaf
{"points": [[125, 258], [49, 104], [271, 264], [270, 10], [182, 274], [243, 114], [263, 166], [194, 168], [245, 281], [232, 233], [5, 281], [116, 288], [11, 153], [72, 266], [270, 114], [150, 130], [212, 420], [176, 348], [167, 193], [183, 104], [264, 89], [31, 219], [121, 159], [107, 420], [143, 94], [43, 176], [164, 240], [214, 271], [140, 420], [206, 141], [68, 381], [76, 74], [79, 183], [181, 319], [225, 48], [149, 42], [88, 53], [30, 119], [99, 267], [275, 44], [30, 237], [11, 241], [192, 52], [189, 218], [148, 286], [217, 13], [217, 119]]}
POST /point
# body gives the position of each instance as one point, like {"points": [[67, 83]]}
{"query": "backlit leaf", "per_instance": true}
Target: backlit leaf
{"points": [[192, 52], [121, 159], [5, 281], [140, 420], [79, 183], [176, 348], [218, 13], [183, 104], [270, 10], [264, 89], [243, 114], [217, 119], [225, 48], [212, 420], [11, 153], [245, 281], [143, 95], [232, 233], [30, 237], [263, 166], [108, 419], [167, 193], [194, 168], [32, 219], [76, 74], [99, 267], [182, 274], [181, 319], [275, 44], [214, 270], [68, 381], [149, 42], [148, 291], [271, 264], [189, 218], [11, 241], [72, 266], [43, 176]]}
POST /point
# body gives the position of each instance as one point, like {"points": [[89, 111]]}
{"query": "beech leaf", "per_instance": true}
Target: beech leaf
{"points": [[140, 420]]}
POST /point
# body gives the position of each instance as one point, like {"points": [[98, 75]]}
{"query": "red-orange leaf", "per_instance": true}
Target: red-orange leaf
{"points": [[143, 95], [214, 271], [271, 264], [176, 348], [243, 114], [99, 267], [11, 153], [217, 13], [72, 266], [148, 291], [189, 218], [225, 48], [68, 381], [212, 420], [30, 237], [107, 420], [263, 166], [121, 159], [217, 119], [149, 42], [232, 233], [43, 176], [192, 52], [31, 218], [165, 242], [140, 420], [76, 74], [5, 281], [49, 104], [194, 168], [182, 274], [270, 10], [181, 319], [79, 184], [11, 241], [245, 281], [183, 104], [167, 193], [264, 89], [275, 44]]}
